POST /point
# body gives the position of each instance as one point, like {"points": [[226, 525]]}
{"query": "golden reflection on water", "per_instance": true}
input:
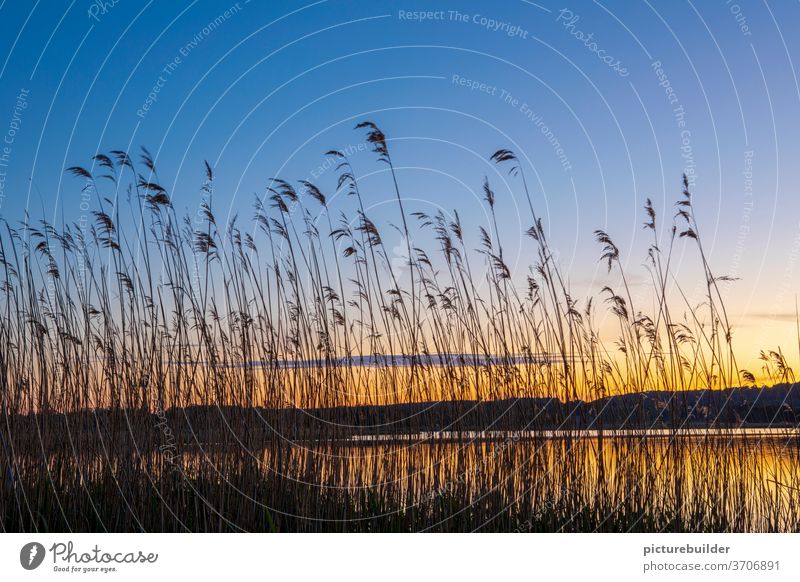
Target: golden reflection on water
{"points": [[748, 483]]}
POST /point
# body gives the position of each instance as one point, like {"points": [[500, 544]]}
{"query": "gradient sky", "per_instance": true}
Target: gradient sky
{"points": [[263, 89]]}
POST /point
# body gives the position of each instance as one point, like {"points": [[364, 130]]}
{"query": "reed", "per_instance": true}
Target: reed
{"points": [[169, 373]]}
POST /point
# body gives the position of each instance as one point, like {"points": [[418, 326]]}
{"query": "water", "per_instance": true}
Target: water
{"points": [[745, 480], [661, 433], [697, 480]]}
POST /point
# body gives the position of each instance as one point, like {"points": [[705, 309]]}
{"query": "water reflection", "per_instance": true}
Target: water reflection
{"points": [[717, 481], [743, 482]]}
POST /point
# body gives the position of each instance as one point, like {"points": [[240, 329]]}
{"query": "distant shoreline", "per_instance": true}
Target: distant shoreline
{"points": [[746, 412]]}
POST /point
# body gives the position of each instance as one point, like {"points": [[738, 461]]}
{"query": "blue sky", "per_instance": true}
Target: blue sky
{"points": [[263, 89]]}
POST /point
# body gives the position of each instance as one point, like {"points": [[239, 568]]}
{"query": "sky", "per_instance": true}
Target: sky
{"points": [[605, 103]]}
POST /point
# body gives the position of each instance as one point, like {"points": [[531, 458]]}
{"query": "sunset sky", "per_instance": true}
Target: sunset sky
{"points": [[604, 108]]}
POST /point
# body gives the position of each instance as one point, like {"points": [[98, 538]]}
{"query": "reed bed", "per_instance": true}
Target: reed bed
{"points": [[161, 372]]}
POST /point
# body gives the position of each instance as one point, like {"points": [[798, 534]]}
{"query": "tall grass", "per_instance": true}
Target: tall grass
{"points": [[148, 360]]}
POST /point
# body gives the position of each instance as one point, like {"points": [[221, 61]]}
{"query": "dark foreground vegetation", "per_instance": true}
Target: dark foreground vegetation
{"points": [[734, 483], [147, 378]]}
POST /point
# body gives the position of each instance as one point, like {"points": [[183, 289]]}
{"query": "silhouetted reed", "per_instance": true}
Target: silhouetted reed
{"points": [[172, 373]]}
